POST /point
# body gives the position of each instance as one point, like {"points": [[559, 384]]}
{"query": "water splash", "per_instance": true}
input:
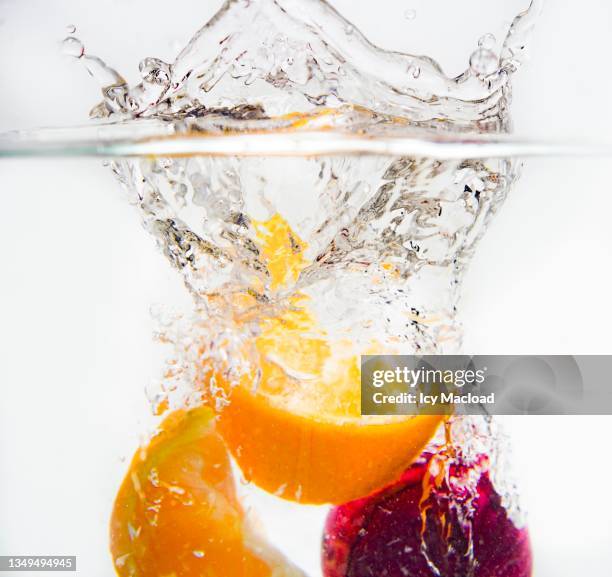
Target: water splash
{"points": [[289, 56], [444, 517], [371, 249], [468, 451], [387, 239]]}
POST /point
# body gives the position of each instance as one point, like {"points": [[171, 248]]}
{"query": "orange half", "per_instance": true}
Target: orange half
{"points": [[300, 434], [312, 461]]}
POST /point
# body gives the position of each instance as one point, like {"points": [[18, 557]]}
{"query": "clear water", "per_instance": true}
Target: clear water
{"points": [[287, 69], [372, 246], [373, 102]]}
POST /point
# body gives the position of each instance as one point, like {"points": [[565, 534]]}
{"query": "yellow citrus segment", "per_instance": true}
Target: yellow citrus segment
{"points": [[281, 250], [176, 513]]}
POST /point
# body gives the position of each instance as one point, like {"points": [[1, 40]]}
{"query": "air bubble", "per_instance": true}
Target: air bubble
{"points": [[484, 62], [154, 71], [199, 554], [410, 14], [120, 561], [414, 70], [488, 41], [72, 46], [71, 28]]}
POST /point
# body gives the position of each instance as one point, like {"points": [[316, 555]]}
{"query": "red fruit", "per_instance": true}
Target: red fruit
{"points": [[427, 525]]}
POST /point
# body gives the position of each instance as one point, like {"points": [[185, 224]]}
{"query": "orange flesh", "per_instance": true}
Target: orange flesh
{"points": [[300, 435], [312, 462], [176, 513]]}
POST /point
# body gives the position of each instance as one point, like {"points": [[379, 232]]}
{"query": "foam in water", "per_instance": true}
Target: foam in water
{"points": [[373, 247]]}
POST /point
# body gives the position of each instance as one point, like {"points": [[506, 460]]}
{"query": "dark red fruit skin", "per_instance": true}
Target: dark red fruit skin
{"points": [[380, 535]]}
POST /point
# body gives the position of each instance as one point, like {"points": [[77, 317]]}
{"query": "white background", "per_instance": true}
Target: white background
{"points": [[78, 275]]}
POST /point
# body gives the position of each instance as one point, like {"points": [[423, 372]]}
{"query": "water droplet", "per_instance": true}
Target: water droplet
{"points": [[72, 46], [154, 477], [154, 71], [133, 532], [488, 41], [414, 70], [484, 62], [71, 28], [281, 490], [298, 493], [410, 14], [197, 553]]}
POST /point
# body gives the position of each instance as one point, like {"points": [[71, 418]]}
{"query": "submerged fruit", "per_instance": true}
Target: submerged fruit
{"points": [[298, 433], [402, 532], [316, 459], [177, 513]]}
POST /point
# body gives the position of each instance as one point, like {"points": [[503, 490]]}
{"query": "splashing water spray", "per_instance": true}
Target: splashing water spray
{"points": [[321, 199]]}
